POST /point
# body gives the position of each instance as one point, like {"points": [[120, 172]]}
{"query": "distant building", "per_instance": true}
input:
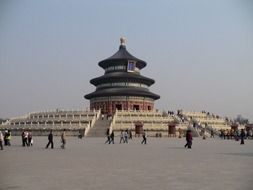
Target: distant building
{"points": [[122, 87]]}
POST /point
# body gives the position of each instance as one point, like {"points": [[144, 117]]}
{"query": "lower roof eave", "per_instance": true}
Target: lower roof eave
{"points": [[92, 95]]}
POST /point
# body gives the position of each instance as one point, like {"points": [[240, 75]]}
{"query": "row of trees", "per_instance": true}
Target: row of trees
{"points": [[2, 120], [241, 120]]}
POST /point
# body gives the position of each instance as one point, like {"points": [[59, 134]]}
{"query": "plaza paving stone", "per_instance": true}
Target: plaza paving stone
{"points": [[162, 164]]}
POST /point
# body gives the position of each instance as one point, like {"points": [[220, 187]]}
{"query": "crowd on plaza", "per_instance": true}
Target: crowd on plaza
{"points": [[5, 138], [51, 139], [27, 139], [235, 134], [124, 137]]}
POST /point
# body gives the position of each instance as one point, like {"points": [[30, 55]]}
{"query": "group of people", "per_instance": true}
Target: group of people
{"points": [[51, 139], [27, 139], [125, 135], [236, 134], [108, 116], [110, 137], [229, 134], [5, 139]]}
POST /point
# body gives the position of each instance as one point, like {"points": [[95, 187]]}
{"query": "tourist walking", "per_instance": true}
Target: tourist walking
{"points": [[50, 140], [250, 134], [112, 138], [130, 134], [25, 138], [222, 134], [63, 139], [144, 138], [212, 133], [81, 133], [7, 138], [121, 137], [30, 138], [108, 136], [180, 133], [126, 136], [188, 139], [204, 133], [242, 135], [1, 140]]}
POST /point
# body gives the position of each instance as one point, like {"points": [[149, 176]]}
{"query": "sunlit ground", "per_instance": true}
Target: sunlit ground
{"points": [[163, 163]]}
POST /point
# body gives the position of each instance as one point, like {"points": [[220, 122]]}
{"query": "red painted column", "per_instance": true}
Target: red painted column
{"points": [[172, 129]]}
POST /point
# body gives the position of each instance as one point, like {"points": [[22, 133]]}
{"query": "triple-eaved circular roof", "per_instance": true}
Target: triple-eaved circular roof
{"points": [[122, 56]]}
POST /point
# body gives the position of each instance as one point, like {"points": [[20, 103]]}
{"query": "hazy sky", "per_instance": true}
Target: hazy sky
{"points": [[199, 52]]}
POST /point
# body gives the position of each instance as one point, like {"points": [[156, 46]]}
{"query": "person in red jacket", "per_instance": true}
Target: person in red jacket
{"points": [[188, 139]]}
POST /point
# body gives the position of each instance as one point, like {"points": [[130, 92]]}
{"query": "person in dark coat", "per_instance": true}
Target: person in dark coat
{"points": [[5, 137], [242, 135], [144, 138], [50, 140], [108, 136], [130, 134], [112, 138], [212, 133], [188, 139], [23, 138]]}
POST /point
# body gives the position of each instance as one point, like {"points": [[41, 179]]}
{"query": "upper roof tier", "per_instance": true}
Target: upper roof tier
{"points": [[121, 55]]}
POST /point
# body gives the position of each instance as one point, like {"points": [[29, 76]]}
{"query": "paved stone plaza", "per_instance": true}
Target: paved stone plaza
{"points": [[161, 164]]}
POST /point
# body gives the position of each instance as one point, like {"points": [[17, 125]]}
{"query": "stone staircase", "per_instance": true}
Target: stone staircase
{"points": [[194, 131], [99, 128]]}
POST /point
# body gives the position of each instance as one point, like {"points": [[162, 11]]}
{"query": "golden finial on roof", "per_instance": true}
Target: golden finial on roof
{"points": [[123, 41]]}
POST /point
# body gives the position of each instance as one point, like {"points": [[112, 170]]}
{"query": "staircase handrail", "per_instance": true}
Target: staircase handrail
{"points": [[92, 122], [113, 121], [95, 118], [87, 129], [210, 128]]}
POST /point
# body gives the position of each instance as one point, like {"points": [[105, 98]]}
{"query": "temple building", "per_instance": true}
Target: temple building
{"points": [[122, 87], [123, 93]]}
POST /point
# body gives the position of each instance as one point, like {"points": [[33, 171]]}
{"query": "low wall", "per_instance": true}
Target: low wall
{"points": [[46, 132], [152, 133]]}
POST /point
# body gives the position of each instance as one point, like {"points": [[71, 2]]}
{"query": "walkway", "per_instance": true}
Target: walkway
{"points": [[161, 164]]}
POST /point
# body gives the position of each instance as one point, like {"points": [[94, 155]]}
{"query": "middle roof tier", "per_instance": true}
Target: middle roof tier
{"points": [[122, 77]]}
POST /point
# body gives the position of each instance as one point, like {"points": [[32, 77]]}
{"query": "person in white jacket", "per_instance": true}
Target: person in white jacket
{"points": [[1, 140]]}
